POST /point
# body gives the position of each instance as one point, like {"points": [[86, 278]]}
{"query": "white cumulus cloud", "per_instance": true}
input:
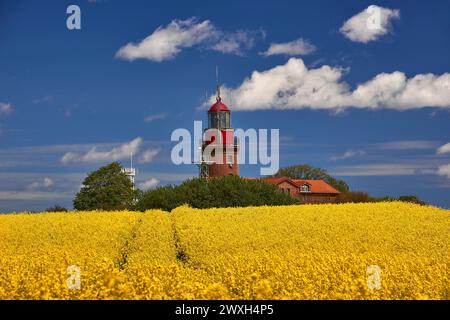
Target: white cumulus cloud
{"points": [[370, 24], [148, 155], [94, 155], [444, 149], [149, 184], [292, 48], [167, 41], [294, 86], [235, 42]]}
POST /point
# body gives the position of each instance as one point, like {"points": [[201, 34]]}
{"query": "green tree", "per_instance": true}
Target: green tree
{"points": [[307, 172], [165, 198], [228, 191], [108, 188]]}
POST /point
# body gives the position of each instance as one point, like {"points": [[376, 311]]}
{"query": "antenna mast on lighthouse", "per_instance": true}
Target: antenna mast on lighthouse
{"points": [[217, 82], [218, 98]]}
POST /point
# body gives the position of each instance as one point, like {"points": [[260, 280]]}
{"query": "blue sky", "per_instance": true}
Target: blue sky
{"points": [[72, 100]]}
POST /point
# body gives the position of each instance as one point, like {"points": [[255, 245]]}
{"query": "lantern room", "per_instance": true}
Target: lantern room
{"points": [[219, 115]]}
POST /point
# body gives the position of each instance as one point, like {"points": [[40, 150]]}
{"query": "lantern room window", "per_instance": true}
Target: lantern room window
{"points": [[225, 120], [219, 118]]}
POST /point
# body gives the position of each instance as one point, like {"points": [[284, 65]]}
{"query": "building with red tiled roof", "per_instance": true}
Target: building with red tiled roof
{"points": [[307, 191]]}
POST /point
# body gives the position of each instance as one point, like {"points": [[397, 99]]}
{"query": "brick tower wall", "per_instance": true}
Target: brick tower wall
{"points": [[224, 169]]}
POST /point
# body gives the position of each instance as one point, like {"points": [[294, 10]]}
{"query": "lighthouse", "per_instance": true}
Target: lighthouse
{"points": [[219, 137]]}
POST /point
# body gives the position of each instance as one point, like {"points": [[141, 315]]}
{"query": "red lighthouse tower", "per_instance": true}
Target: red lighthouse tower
{"points": [[219, 137]]}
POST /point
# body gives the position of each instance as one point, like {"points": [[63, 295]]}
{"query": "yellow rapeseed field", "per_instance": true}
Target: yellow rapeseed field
{"points": [[353, 251]]}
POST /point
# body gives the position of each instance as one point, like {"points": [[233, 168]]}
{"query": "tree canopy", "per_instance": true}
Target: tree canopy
{"points": [[107, 188], [228, 191]]}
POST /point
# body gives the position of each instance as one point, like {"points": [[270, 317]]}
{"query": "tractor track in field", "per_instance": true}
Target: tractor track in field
{"points": [[181, 254], [127, 247]]}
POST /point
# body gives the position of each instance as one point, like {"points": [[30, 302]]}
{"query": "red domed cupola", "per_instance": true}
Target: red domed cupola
{"points": [[219, 106], [219, 114]]}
